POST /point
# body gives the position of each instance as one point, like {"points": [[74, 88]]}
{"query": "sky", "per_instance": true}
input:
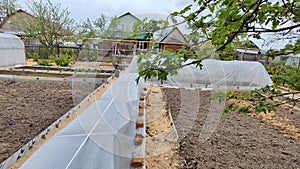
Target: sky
{"points": [[83, 9]]}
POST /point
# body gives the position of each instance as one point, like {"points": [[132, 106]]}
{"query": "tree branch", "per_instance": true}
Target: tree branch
{"points": [[265, 30], [290, 8], [293, 100], [233, 35]]}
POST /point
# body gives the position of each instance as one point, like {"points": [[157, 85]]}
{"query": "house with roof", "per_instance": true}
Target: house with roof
{"points": [[172, 39], [249, 52], [121, 31], [122, 26], [10, 25]]}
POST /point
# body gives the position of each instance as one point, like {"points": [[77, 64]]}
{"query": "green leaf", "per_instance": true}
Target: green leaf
{"points": [[244, 110], [261, 107]]}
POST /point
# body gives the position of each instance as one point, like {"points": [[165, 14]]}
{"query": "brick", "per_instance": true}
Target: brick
{"points": [[44, 136], [141, 112], [142, 97], [138, 140], [141, 105], [139, 123], [137, 162]]}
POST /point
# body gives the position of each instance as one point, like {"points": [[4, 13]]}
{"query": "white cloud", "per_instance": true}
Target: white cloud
{"points": [[82, 9]]}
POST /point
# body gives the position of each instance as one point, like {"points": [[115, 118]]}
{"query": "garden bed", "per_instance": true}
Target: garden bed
{"points": [[74, 68], [28, 107], [31, 73], [53, 68], [239, 141]]}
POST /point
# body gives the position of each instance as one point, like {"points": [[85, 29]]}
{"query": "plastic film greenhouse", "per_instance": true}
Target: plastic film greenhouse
{"points": [[12, 50], [222, 74]]}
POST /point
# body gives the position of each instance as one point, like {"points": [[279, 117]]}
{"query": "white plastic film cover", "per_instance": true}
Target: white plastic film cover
{"points": [[101, 137], [12, 50], [217, 73]]}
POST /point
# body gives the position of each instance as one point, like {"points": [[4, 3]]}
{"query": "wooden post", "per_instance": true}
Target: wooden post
{"points": [[114, 53], [134, 49]]}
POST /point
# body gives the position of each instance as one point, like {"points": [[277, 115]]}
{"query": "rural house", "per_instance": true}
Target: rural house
{"points": [[122, 26], [122, 33], [248, 52], [173, 40], [8, 26], [9, 23]]}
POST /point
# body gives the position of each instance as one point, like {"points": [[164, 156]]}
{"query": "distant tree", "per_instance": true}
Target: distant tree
{"points": [[86, 29], [102, 22], [7, 7], [226, 22], [98, 27], [195, 37], [49, 25], [150, 26]]}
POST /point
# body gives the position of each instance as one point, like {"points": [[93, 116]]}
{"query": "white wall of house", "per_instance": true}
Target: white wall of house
{"points": [[126, 23]]}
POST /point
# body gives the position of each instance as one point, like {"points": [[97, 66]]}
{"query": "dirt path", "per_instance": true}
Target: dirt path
{"points": [[161, 143]]}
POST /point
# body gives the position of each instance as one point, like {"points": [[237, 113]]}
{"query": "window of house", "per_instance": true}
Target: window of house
{"points": [[122, 26], [141, 45]]}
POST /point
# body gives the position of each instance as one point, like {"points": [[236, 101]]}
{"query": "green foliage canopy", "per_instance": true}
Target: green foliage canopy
{"points": [[97, 27], [7, 7], [150, 26], [226, 23], [49, 24]]}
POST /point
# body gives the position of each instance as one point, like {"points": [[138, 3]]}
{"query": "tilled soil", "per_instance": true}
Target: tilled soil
{"points": [[238, 141], [290, 114], [28, 107]]}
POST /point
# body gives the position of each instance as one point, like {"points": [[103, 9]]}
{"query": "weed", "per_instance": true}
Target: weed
{"points": [[244, 110], [44, 62], [63, 60], [218, 95], [35, 57]]}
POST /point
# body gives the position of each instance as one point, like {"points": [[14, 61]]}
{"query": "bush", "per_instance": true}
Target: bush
{"points": [[89, 55], [107, 61], [44, 62], [63, 60], [67, 52], [35, 57]]}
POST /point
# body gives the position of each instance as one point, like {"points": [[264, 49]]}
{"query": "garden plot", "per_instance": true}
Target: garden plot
{"points": [[239, 140], [28, 107]]}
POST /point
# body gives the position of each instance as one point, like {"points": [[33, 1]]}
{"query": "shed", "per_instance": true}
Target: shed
{"points": [[248, 54], [12, 50], [292, 60]]}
